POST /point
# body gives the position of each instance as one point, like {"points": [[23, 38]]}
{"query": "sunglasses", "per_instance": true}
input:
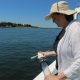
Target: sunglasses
{"points": [[54, 19]]}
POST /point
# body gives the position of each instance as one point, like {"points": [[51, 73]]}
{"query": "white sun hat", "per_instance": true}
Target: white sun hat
{"points": [[60, 7]]}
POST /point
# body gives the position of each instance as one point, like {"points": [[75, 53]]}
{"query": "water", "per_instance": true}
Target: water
{"points": [[17, 45]]}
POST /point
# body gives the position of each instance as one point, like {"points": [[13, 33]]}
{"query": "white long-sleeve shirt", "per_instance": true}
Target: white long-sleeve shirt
{"points": [[69, 52]]}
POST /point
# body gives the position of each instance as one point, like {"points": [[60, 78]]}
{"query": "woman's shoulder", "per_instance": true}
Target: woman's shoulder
{"points": [[75, 22], [75, 25], [75, 28]]}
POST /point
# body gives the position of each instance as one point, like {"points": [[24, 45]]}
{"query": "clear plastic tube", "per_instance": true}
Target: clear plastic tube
{"points": [[45, 68]]}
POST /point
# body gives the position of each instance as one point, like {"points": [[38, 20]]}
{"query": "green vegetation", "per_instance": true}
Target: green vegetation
{"points": [[10, 24]]}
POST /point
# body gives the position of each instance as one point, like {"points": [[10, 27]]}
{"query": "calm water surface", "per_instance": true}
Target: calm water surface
{"points": [[17, 45]]}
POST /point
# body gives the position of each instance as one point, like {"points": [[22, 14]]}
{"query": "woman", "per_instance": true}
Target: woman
{"points": [[68, 49]]}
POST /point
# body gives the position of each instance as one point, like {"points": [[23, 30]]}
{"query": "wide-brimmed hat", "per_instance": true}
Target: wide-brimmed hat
{"points": [[60, 7]]}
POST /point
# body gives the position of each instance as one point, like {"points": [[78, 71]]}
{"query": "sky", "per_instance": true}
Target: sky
{"points": [[29, 11]]}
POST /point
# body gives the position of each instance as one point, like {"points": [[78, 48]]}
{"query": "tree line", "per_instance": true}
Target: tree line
{"points": [[10, 24]]}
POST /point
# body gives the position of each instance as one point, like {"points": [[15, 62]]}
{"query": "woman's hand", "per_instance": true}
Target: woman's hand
{"points": [[61, 76], [51, 77]]}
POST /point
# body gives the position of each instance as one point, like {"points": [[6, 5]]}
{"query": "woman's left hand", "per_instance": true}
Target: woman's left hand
{"points": [[51, 77]]}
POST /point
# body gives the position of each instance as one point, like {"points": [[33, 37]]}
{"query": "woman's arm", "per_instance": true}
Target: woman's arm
{"points": [[48, 53], [73, 71]]}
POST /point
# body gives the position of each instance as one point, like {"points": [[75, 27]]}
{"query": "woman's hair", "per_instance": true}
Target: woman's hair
{"points": [[69, 18]]}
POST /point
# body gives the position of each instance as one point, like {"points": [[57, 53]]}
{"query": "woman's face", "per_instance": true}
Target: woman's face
{"points": [[58, 19]]}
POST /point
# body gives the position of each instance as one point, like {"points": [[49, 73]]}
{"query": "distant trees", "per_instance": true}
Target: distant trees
{"points": [[10, 24], [27, 25]]}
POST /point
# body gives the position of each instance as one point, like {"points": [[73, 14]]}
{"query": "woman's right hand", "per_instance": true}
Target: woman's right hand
{"points": [[48, 53]]}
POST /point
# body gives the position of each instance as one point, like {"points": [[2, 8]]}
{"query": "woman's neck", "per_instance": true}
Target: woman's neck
{"points": [[65, 24]]}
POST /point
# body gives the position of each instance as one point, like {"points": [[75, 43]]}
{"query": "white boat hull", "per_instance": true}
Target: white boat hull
{"points": [[41, 75]]}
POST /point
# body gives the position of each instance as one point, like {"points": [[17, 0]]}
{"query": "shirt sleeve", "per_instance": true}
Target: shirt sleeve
{"points": [[73, 71]]}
